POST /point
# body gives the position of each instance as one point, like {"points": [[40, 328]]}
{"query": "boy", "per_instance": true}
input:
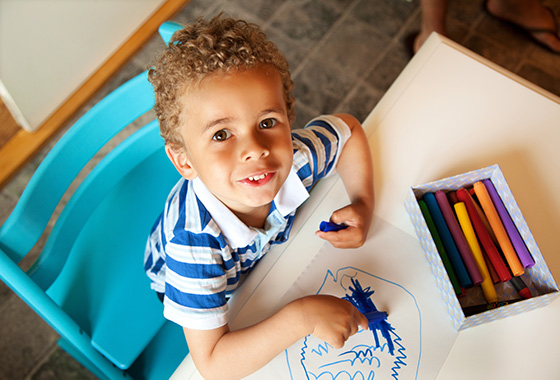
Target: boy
{"points": [[224, 103]]}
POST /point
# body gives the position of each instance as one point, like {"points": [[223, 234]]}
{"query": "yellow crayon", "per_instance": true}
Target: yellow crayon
{"points": [[466, 225]]}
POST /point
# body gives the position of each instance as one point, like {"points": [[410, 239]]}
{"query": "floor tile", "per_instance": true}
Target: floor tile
{"points": [[263, 9], [322, 85], [60, 365], [504, 33], [492, 50], [294, 52], [232, 9], [306, 22], [386, 16], [354, 46], [465, 12], [360, 101], [549, 61], [196, 8], [388, 68], [26, 339], [7, 204]]}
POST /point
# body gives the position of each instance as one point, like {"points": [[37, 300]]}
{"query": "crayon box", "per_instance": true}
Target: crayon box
{"points": [[538, 277]]}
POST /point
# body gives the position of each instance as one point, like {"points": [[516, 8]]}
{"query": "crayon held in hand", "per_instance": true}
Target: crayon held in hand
{"points": [[330, 226], [376, 316]]}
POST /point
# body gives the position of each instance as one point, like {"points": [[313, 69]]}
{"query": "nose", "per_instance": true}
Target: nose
{"points": [[255, 146]]}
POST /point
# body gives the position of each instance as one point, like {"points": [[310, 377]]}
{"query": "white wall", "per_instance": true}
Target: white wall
{"points": [[48, 48]]}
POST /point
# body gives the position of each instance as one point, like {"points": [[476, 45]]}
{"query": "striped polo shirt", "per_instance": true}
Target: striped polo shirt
{"points": [[198, 251]]}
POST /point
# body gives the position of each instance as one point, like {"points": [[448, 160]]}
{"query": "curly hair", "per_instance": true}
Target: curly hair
{"points": [[205, 47]]}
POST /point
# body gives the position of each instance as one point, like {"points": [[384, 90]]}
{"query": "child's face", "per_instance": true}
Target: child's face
{"points": [[238, 138]]}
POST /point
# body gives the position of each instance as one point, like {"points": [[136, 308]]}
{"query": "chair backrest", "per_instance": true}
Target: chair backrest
{"points": [[63, 163], [88, 282]]}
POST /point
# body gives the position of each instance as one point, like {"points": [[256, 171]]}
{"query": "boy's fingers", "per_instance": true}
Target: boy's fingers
{"points": [[363, 321], [333, 237], [343, 215], [347, 238]]}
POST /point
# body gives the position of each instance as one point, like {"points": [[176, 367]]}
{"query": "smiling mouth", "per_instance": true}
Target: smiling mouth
{"points": [[258, 180]]}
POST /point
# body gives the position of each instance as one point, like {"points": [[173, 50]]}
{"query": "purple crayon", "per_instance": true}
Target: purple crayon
{"points": [[460, 241], [516, 240]]}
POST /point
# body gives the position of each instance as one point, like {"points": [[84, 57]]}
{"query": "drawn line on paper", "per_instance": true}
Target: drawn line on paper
{"points": [[360, 354], [361, 299]]}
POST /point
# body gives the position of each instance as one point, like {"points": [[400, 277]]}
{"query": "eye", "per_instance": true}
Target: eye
{"points": [[268, 123], [221, 135]]}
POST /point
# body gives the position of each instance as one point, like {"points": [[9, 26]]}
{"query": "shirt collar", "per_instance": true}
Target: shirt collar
{"points": [[291, 195]]}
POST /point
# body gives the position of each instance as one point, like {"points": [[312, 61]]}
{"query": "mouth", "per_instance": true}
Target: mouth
{"points": [[258, 179]]}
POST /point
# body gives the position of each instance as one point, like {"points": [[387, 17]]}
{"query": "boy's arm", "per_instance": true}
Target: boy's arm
{"points": [[356, 171], [224, 354]]}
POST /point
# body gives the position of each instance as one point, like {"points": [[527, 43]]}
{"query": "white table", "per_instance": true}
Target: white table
{"points": [[468, 114], [485, 115]]}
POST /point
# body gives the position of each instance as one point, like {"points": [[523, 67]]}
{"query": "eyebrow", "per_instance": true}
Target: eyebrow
{"points": [[213, 123], [225, 120], [276, 110]]}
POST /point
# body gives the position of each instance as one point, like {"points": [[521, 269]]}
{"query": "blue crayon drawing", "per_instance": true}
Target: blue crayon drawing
{"points": [[361, 299], [379, 353]]}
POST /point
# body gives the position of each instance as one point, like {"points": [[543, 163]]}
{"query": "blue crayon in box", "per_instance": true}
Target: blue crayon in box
{"points": [[447, 240], [439, 245]]}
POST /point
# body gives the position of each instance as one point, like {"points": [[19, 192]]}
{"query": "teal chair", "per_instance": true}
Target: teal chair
{"points": [[88, 282]]}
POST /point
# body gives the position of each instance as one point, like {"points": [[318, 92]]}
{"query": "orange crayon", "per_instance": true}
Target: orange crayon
{"points": [[498, 228]]}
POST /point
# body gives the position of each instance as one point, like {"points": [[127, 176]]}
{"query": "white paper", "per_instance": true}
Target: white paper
{"points": [[404, 288]]}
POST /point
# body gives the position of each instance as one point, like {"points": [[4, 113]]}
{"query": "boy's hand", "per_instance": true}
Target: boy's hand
{"points": [[357, 217], [356, 171], [332, 319]]}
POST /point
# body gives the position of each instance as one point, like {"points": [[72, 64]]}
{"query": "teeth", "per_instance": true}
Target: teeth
{"points": [[257, 178]]}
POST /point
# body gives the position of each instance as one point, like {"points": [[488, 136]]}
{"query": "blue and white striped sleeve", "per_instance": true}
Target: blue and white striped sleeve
{"points": [[196, 282], [317, 148], [197, 263]]}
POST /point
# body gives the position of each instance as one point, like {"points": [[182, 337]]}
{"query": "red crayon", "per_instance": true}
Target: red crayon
{"points": [[493, 274], [452, 197], [482, 216], [484, 237], [521, 288]]}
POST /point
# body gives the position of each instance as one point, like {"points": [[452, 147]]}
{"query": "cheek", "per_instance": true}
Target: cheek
{"points": [[216, 166], [289, 153], [287, 148]]}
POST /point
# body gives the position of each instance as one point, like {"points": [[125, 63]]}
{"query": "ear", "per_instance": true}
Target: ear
{"points": [[181, 162]]}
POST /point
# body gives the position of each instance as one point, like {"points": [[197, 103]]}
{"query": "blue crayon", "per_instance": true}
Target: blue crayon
{"points": [[447, 240], [375, 316], [330, 226]]}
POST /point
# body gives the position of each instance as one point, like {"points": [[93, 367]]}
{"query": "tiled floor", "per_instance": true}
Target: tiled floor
{"points": [[344, 55]]}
